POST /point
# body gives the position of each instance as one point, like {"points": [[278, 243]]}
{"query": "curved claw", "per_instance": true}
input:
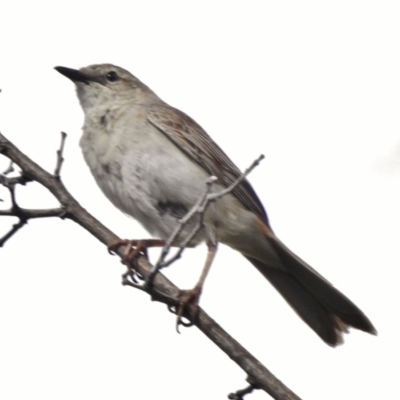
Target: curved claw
{"points": [[133, 275], [171, 308], [187, 298], [180, 321], [125, 279], [130, 278], [111, 252], [140, 277]]}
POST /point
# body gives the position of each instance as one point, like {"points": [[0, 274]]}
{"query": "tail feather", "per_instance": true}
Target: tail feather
{"points": [[327, 311]]}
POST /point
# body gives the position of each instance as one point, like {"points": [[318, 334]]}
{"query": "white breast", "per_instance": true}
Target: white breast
{"points": [[140, 170]]}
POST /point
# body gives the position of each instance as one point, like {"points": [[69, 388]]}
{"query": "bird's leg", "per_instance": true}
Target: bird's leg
{"points": [[192, 297]]}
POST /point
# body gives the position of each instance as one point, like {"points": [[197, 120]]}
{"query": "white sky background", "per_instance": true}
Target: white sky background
{"points": [[315, 86]]}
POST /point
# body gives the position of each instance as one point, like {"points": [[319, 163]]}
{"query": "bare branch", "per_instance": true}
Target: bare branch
{"points": [[162, 289], [15, 228], [166, 292], [15, 210], [10, 184], [60, 158], [16, 180], [23, 214], [27, 214]]}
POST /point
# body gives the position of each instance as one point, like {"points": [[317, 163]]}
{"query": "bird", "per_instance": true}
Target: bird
{"points": [[152, 161]]}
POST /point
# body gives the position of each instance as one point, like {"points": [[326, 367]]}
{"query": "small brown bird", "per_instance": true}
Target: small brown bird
{"points": [[152, 160]]}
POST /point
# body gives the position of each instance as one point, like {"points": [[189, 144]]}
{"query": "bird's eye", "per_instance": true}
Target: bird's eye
{"points": [[112, 76]]}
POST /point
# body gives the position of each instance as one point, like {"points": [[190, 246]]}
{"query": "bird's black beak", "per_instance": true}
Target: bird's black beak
{"points": [[75, 75]]}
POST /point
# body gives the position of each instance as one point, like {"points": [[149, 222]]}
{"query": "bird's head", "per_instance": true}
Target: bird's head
{"points": [[104, 84]]}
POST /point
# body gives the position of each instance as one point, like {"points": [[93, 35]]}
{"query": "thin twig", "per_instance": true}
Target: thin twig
{"points": [[14, 205], [9, 169], [60, 158], [229, 189], [239, 394], [199, 208], [15, 228], [33, 214], [24, 215], [161, 263]]}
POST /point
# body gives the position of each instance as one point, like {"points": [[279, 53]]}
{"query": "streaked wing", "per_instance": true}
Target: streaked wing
{"points": [[191, 138]]}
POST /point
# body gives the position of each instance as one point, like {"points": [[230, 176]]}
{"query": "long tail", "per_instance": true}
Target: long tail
{"points": [[327, 311]]}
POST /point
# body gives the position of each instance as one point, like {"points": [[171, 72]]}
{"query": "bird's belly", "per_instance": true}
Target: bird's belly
{"points": [[156, 184]]}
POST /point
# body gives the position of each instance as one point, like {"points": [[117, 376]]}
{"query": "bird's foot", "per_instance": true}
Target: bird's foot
{"points": [[187, 298], [132, 278], [133, 249]]}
